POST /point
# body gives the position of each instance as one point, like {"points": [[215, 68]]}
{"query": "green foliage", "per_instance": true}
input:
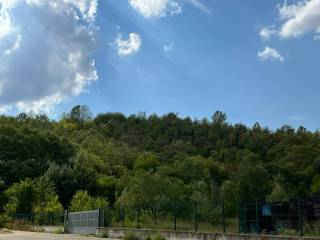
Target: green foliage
{"points": [[278, 193], [139, 160], [82, 201], [315, 187], [22, 198], [104, 235], [157, 236], [79, 114], [3, 220], [51, 208], [130, 236], [147, 162], [33, 196]]}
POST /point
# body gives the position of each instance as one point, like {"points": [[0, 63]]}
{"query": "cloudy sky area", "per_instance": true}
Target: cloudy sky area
{"points": [[254, 60]]}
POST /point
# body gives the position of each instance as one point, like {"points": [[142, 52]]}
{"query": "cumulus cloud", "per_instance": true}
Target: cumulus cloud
{"points": [[45, 51], [317, 38], [168, 47], [300, 18], [156, 8], [270, 54], [129, 46], [267, 32]]}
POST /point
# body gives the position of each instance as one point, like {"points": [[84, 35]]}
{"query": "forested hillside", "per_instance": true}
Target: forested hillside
{"points": [[141, 160]]}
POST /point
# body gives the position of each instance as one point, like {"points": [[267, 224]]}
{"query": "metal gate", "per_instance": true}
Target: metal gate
{"points": [[85, 222]]}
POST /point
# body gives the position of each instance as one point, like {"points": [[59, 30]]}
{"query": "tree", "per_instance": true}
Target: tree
{"points": [[22, 198], [278, 193], [33, 196], [219, 118], [252, 181], [79, 114], [82, 201], [147, 161]]}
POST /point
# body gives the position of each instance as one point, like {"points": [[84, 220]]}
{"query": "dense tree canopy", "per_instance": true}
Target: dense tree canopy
{"points": [[112, 159]]}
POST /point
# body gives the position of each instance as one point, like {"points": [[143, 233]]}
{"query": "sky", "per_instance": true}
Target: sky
{"points": [[255, 60]]}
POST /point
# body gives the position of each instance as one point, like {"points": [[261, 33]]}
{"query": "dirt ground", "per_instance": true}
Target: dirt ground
{"points": [[44, 236]]}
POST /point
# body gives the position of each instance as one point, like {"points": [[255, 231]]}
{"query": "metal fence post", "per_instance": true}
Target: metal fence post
{"points": [[175, 216], [155, 217], [257, 217], [300, 218], [138, 217], [239, 218], [123, 216], [223, 219], [195, 217], [99, 217], [110, 220], [66, 221]]}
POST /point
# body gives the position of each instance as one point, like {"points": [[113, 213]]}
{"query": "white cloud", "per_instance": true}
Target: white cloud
{"points": [[200, 6], [14, 47], [289, 11], [156, 8], [317, 38], [300, 18], [270, 54], [267, 32], [129, 46], [168, 47], [45, 51]]}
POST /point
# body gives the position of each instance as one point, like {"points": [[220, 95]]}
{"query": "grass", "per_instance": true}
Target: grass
{"points": [[58, 231], [103, 235], [182, 225], [130, 236]]}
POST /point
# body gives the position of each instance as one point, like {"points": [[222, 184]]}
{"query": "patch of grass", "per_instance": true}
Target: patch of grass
{"points": [[289, 232], [103, 235], [130, 236], [58, 231], [158, 236]]}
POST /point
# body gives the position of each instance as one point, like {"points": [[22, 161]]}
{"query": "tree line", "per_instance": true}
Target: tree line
{"points": [[82, 162]]}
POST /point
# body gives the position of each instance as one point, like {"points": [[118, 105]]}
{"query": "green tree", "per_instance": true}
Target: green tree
{"points": [[82, 201], [22, 198], [147, 161], [278, 193]]}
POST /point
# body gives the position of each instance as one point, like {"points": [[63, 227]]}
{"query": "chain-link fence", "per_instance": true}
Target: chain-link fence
{"points": [[192, 216], [299, 216], [40, 219]]}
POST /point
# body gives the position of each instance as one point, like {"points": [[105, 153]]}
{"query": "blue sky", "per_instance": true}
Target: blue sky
{"points": [[196, 57]]}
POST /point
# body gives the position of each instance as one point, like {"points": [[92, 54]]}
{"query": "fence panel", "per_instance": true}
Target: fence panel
{"points": [[85, 222]]}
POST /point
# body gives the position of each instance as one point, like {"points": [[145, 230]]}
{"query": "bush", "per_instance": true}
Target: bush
{"points": [[59, 231], [130, 236], [103, 235], [158, 236], [3, 220], [82, 201]]}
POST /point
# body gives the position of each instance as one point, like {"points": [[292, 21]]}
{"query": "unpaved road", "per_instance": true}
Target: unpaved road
{"points": [[44, 236]]}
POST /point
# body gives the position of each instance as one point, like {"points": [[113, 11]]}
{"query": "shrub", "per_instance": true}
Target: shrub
{"points": [[59, 231], [158, 236], [82, 201], [104, 235], [3, 220], [130, 236]]}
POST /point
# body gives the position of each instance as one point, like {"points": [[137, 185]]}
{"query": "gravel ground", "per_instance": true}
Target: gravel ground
{"points": [[44, 236]]}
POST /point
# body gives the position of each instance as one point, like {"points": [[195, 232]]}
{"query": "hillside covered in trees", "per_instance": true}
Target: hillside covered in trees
{"points": [[81, 162]]}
